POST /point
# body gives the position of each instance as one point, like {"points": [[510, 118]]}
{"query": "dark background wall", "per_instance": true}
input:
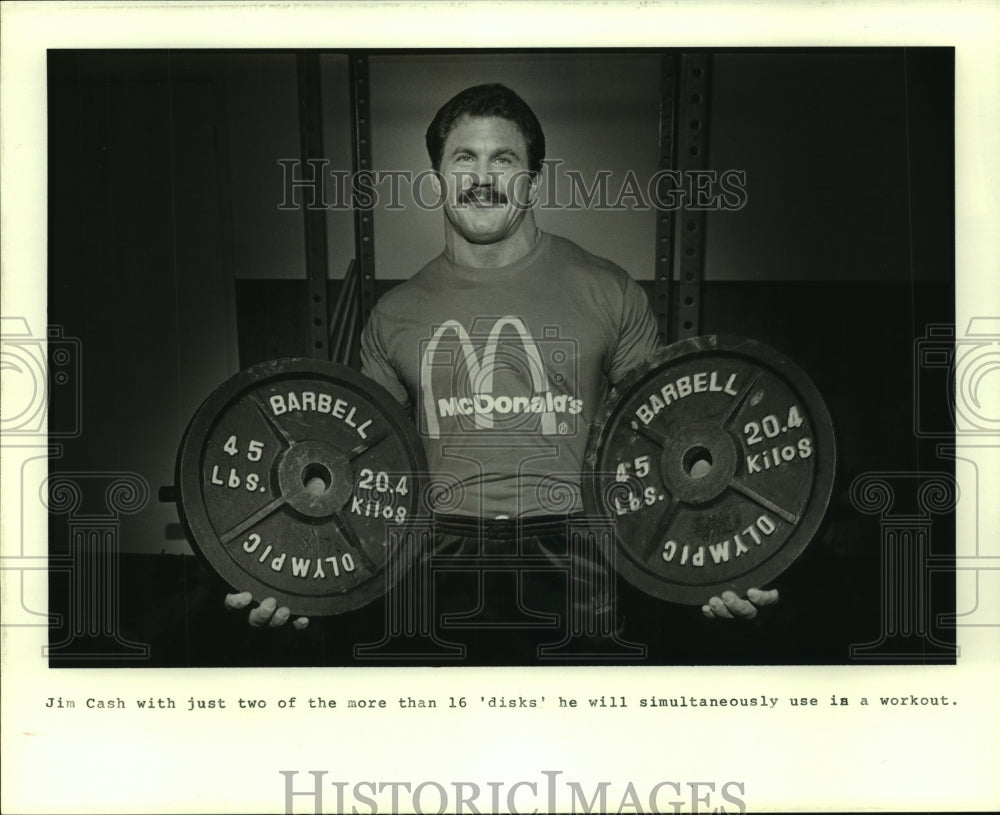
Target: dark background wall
{"points": [[172, 263]]}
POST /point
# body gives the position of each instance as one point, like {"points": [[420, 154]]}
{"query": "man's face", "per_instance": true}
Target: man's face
{"points": [[485, 167]]}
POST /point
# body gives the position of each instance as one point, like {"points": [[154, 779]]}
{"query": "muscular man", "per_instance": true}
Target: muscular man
{"points": [[504, 346]]}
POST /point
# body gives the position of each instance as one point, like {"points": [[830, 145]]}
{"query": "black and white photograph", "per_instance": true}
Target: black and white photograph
{"points": [[497, 395], [453, 287]]}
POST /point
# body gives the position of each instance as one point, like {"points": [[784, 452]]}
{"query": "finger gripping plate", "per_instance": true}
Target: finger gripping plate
{"points": [[297, 479], [716, 461]]}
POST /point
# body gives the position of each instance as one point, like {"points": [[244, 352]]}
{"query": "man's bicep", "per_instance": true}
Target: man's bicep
{"points": [[638, 334], [377, 365]]}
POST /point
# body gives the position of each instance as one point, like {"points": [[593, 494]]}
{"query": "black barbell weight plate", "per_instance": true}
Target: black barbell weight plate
{"points": [[716, 462], [296, 479]]}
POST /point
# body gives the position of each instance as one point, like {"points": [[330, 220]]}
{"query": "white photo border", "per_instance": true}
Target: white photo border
{"points": [[815, 759]]}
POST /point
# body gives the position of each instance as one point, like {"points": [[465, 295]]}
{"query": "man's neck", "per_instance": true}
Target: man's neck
{"points": [[492, 255]]}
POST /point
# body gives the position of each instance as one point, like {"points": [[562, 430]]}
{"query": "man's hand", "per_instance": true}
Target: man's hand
{"points": [[730, 607], [266, 614]]}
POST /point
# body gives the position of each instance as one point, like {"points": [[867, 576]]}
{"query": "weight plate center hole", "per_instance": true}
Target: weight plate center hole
{"points": [[316, 478], [697, 461]]}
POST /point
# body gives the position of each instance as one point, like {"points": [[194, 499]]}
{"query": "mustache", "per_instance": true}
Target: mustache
{"points": [[482, 194]]}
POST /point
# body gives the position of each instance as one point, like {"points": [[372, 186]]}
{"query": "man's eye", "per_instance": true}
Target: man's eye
{"points": [[463, 158], [505, 160]]}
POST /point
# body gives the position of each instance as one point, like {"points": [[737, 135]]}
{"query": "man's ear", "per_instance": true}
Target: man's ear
{"points": [[534, 187]]}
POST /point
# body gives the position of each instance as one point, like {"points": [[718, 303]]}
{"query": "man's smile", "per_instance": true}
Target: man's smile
{"points": [[482, 197]]}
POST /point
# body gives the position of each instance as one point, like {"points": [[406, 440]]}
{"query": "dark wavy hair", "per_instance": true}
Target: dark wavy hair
{"points": [[492, 100]]}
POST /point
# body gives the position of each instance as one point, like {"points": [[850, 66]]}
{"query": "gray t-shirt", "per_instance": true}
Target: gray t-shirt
{"points": [[504, 369]]}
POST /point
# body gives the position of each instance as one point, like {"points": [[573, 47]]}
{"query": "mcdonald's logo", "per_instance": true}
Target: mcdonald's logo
{"points": [[478, 400]]}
